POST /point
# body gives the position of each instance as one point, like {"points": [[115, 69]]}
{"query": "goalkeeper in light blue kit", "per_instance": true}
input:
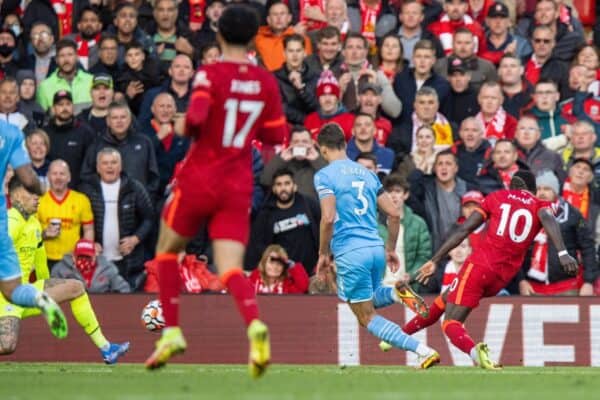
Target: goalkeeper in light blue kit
{"points": [[13, 153], [349, 195]]}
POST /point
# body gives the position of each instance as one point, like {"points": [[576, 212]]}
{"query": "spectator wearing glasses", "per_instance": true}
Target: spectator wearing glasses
{"points": [[277, 274], [108, 52], [542, 64], [41, 61]]}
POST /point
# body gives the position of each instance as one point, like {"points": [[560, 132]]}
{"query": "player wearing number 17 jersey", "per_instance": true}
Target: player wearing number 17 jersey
{"points": [[232, 103], [514, 218]]}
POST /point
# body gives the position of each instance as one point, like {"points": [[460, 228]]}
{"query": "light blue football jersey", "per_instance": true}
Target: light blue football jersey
{"points": [[355, 189], [12, 151]]}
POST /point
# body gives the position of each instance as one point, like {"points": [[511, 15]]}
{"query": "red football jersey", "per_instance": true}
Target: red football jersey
{"points": [[512, 225], [231, 105]]}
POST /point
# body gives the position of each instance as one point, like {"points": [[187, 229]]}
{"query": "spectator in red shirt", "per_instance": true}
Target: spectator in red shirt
{"points": [[497, 123], [455, 17], [542, 64], [276, 274]]}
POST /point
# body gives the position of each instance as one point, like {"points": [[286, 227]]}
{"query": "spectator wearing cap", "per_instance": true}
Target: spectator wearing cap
{"points": [[498, 39], [369, 102], [67, 76], [102, 96], [297, 82], [41, 11], [517, 90], [97, 273], [125, 28], [89, 28], [583, 145], [42, 60], [534, 153], [169, 147], [414, 241], [455, 17], [497, 172], [328, 55], [70, 137], [269, 39], [9, 98], [567, 39], [462, 100], [411, 29], [277, 274], [497, 123], [580, 189], [472, 149], [363, 140], [542, 273], [410, 80], [123, 215], [137, 152], [178, 85], [8, 44], [330, 109], [463, 47], [27, 104], [426, 112]]}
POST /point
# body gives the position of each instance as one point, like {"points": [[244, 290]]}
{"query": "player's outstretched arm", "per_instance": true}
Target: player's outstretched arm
{"points": [[455, 238], [552, 229], [30, 180]]}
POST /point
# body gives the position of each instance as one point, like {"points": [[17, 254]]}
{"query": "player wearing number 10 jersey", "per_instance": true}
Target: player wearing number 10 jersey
{"points": [[232, 103], [514, 218]]}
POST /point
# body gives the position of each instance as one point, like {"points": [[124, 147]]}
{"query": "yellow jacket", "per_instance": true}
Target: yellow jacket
{"points": [[26, 235]]}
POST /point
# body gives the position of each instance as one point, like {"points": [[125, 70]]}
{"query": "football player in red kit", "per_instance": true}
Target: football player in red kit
{"points": [[232, 103], [514, 217]]}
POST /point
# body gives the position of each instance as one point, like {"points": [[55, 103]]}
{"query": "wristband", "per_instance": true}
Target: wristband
{"points": [[563, 253]]}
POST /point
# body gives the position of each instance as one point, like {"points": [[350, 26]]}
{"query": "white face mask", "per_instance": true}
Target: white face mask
{"points": [[16, 29]]}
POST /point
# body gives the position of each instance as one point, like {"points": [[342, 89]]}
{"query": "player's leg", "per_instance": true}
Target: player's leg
{"points": [[73, 291], [172, 342], [436, 310], [228, 256], [27, 295]]}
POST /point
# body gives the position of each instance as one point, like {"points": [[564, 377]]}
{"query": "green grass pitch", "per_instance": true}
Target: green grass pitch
{"points": [[283, 382]]}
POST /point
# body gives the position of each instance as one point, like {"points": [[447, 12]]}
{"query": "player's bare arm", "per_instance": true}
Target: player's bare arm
{"points": [[455, 238], [552, 229], [326, 231], [385, 204], [30, 179]]}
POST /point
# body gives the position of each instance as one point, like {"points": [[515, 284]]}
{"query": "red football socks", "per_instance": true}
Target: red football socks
{"points": [[243, 294], [169, 283], [456, 332], [417, 323]]}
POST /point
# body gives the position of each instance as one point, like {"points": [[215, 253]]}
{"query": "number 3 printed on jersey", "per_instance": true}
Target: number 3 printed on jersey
{"points": [[514, 221], [231, 138], [360, 185]]}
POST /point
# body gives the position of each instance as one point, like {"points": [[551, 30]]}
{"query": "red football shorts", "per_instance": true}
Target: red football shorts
{"points": [[472, 284], [227, 213]]}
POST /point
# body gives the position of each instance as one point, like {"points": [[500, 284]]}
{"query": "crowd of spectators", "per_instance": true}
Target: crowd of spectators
{"points": [[444, 99]]}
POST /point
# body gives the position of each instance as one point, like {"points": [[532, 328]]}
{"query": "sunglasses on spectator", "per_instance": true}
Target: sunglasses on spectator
{"points": [[277, 259], [545, 41]]}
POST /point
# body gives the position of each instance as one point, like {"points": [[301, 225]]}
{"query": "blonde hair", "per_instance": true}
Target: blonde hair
{"points": [[262, 265]]}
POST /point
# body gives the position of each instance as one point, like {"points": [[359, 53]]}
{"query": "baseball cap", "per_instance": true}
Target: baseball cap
{"points": [[583, 160], [498, 9], [455, 64], [102, 79], [85, 247], [472, 196], [62, 94], [364, 86]]}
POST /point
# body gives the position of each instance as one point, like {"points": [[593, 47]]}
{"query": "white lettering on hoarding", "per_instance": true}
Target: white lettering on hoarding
{"points": [[595, 336]]}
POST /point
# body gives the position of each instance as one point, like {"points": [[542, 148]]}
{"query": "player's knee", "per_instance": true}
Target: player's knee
{"points": [[365, 317], [75, 288]]}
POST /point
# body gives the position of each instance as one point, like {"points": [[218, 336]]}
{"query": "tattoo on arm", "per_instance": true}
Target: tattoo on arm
{"points": [[49, 283], [9, 334]]}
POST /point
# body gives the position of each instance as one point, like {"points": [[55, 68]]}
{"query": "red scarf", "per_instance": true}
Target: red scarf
{"points": [[64, 12], [312, 25], [86, 268], [580, 201], [197, 11], [368, 16], [533, 70], [388, 74], [539, 258], [167, 141], [83, 49], [506, 176], [494, 129]]}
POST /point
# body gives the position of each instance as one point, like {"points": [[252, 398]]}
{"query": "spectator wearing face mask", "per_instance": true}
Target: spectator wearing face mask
{"points": [[8, 43]]}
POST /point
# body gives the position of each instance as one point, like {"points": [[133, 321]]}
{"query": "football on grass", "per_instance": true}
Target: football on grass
{"points": [[152, 316]]}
